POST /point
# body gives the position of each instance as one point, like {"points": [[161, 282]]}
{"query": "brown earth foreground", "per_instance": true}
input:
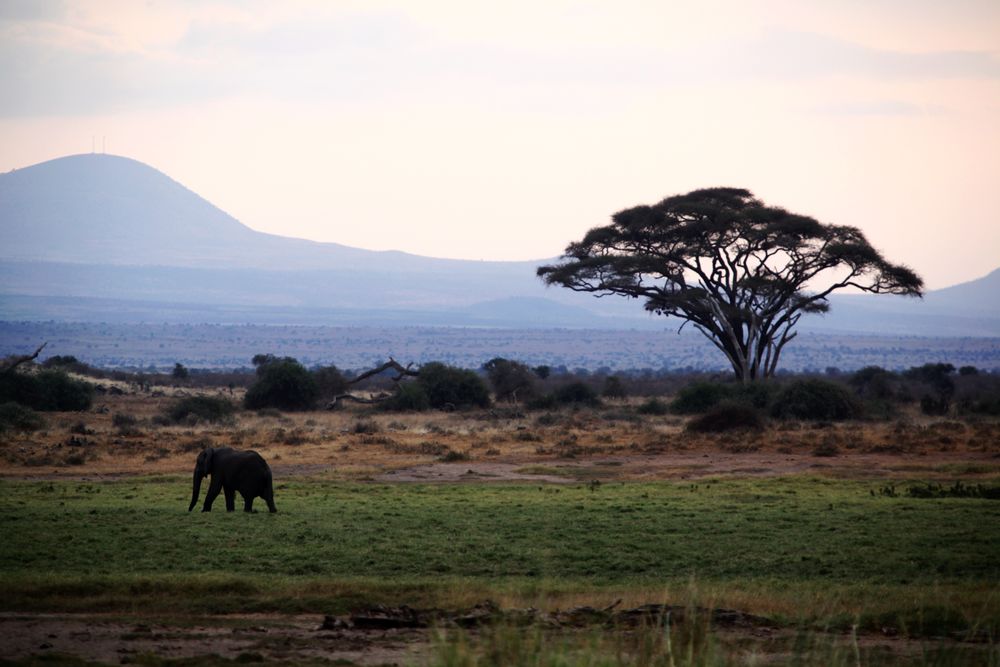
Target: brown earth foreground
{"points": [[612, 443], [376, 636]]}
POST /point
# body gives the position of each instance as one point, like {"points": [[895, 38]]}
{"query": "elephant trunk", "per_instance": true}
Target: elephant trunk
{"points": [[196, 487]]}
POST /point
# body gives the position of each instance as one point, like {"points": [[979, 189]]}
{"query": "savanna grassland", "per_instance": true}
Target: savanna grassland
{"points": [[841, 543]]}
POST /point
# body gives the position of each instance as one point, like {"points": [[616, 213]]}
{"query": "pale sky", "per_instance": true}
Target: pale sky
{"points": [[487, 130]]}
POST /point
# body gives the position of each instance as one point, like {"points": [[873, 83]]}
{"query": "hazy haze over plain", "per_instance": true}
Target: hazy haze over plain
{"points": [[478, 130]]}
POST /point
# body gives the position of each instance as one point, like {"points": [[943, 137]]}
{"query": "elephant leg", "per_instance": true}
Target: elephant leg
{"points": [[248, 503], [230, 499], [269, 499], [213, 491]]}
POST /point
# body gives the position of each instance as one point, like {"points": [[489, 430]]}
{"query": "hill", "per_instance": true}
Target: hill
{"points": [[125, 242]]}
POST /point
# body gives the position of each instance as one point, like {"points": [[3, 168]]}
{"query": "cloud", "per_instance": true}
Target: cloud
{"points": [[779, 54], [48, 67], [32, 10]]}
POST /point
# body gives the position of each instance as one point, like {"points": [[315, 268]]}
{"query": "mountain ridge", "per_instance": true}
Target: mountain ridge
{"points": [[100, 226]]}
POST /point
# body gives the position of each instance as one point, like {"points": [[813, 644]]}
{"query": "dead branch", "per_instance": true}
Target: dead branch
{"points": [[11, 363], [401, 370], [404, 371]]}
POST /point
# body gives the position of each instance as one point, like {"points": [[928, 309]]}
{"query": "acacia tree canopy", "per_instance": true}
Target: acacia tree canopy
{"points": [[741, 272]]}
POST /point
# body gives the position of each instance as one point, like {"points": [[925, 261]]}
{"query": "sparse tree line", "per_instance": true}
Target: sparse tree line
{"points": [[284, 384]]}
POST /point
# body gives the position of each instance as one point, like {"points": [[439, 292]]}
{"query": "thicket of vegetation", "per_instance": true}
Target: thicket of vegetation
{"points": [[282, 383], [16, 417], [200, 408], [47, 390]]}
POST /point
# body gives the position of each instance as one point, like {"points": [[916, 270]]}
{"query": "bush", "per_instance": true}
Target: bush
{"points": [[16, 417], [727, 416], [613, 387], [180, 372], [410, 396], [815, 400], [511, 380], [120, 420], [653, 406], [281, 383], [205, 408], [366, 427], [544, 402], [940, 388], [982, 405], [699, 397], [330, 382], [60, 360], [47, 390], [450, 387], [576, 393]]}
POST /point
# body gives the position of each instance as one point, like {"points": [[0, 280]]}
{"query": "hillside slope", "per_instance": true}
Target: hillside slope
{"points": [[118, 233]]}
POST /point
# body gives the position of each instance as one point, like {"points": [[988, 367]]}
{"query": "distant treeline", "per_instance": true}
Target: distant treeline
{"points": [[154, 348]]}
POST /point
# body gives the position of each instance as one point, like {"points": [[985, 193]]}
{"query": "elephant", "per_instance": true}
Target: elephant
{"points": [[232, 471]]}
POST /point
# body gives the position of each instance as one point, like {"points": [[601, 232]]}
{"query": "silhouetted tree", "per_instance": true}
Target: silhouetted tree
{"points": [[739, 271], [510, 379], [282, 383], [179, 372]]}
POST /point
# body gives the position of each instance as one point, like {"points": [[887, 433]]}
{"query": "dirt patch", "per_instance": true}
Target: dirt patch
{"points": [[244, 638], [486, 446], [399, 635]]}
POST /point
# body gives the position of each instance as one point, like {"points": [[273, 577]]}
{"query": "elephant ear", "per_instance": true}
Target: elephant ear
{"points": [[209, 453]]}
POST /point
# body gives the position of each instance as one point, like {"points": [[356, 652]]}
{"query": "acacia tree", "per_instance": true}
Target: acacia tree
{"points": [[739, 271]]}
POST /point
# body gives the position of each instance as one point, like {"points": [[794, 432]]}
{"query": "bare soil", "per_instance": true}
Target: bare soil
{"points": [[497, 445], [256, 638]]}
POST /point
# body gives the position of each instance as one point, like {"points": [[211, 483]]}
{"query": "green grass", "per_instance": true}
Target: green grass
{"points": [[793, 547]]}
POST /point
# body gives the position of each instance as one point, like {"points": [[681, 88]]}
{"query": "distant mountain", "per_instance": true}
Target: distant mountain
{"points": [[107, 238], [106, 209], [968, 309], [111, 227], [976, 296]]}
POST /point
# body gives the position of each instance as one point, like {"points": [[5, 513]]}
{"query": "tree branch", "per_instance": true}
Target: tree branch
{"points": [[14, 362]]}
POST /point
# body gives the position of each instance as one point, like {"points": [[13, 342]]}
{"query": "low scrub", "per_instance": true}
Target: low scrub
{"points": [[701, 397], [16, 417], [200, 408], [815, 399], [653, 406], [576, 393], [727, 416]]}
